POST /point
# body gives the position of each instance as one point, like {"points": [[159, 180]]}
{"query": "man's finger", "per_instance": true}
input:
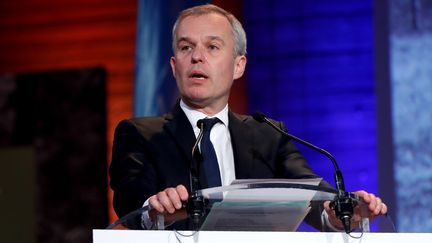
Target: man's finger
{"points": [[384, 209], [174, 197], [379, 206], [373, 203], [154, 203], [165, 201], [182, 192], [364, 195], [327, 208]]}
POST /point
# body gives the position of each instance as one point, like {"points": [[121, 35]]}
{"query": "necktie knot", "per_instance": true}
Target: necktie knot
{"points": [[207, 123]]}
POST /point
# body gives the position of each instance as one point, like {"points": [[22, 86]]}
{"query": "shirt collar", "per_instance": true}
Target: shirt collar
{"points": [[194, 115]]}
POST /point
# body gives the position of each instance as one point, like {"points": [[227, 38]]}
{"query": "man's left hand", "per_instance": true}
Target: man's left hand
{"points": [[374, 204]]}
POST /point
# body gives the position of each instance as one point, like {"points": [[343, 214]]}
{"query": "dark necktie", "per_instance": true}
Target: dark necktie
{"points": [[210, 164]]}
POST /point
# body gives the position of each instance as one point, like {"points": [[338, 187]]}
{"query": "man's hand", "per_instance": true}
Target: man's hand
{"points": [[169, 200], [374, 204]]}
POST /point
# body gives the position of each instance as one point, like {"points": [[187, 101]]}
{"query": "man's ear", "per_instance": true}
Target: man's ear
{"points": [[239, 66], [173, 64]]}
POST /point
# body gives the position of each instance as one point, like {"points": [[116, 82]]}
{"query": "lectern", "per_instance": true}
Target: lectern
{"points": [[247, 205]]}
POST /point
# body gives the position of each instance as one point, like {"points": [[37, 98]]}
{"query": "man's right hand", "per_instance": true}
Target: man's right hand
{"points": [[169, 200]]}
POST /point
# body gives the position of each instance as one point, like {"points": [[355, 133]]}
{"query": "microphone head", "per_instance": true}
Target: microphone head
{"points": [[200, 122], [259, 116]]}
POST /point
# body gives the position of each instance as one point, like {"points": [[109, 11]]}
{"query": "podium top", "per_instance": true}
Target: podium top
{"points": [[271, 190]]}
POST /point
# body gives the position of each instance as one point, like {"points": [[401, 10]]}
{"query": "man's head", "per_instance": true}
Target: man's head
{"points": [[237, 28], [208, 56]]}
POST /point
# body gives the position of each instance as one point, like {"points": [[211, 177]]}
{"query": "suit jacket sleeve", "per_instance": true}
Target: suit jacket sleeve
{"points": [[131, 169], [149, 155]]}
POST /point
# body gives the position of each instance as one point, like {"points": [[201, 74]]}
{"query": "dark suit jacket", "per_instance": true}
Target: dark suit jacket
{"points": [[153, 153]]}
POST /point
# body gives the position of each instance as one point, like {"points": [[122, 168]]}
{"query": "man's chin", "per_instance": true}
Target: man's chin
{"points": [[197, 101]]}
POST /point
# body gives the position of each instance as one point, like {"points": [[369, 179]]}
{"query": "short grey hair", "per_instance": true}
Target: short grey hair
{"points": [[237, 28]]}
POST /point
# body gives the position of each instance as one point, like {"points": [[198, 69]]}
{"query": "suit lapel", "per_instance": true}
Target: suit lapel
{"points": [[181, 131], [242, 137]]}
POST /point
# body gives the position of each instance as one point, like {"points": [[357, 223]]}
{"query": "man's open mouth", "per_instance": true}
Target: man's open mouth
{"points": [[198, 75]]}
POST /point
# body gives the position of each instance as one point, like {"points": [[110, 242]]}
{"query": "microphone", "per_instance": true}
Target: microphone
{"points": [[200, 125], [194, 180], [343, 204], [195, 204]]}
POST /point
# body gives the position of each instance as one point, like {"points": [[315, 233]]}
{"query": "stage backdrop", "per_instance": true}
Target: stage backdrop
{"points": [[410, 39], [311, 65]]}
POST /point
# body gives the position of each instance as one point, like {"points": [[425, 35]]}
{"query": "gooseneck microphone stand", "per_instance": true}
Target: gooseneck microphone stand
{"points": [[195, 205]]}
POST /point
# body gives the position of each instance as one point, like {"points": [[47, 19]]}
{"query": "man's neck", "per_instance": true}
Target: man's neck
{"points": [[210, 110], [194, 115]]}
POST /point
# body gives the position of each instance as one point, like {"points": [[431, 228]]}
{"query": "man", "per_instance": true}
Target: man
{"points": [[152, 156]]}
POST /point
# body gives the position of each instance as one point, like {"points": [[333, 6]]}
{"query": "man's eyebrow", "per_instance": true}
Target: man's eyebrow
{"points": [[217, 38], [211, 38], [184, 38]]}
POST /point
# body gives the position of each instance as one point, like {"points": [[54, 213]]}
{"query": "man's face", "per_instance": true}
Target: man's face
{"points": [[204, 64]]}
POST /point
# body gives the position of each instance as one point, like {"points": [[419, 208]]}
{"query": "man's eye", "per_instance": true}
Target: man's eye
{"points": [[213, 47], [185, 48]]}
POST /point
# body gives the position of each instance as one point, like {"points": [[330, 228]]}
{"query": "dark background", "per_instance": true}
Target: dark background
{"points": [[61, 118]]}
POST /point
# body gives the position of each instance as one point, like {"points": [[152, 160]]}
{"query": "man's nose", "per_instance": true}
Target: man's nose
{"points": [[198, 55]]}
